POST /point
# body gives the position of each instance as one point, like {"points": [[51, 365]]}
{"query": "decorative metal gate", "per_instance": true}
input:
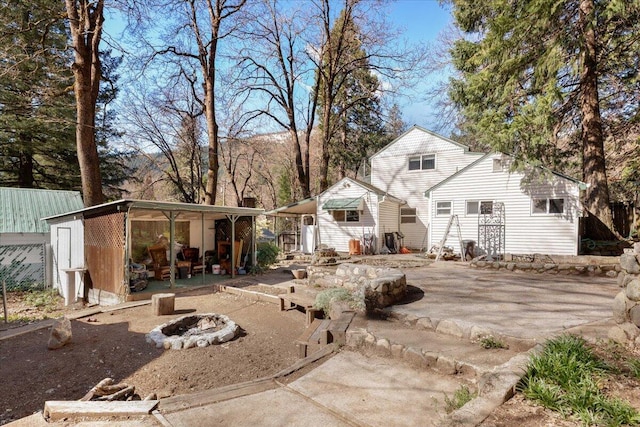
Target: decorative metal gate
{"points": [[491, 231]]}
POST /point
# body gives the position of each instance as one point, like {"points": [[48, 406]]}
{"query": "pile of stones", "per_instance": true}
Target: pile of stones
{"points": [[626, 306]]}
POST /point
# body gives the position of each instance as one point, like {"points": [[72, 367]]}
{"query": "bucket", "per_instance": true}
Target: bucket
{"points": [[216, 268], [354, 247]]}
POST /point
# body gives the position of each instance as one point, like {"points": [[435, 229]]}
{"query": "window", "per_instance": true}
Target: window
{"points": [[407, 216], [443, 208], [483, 207], [424, 162], [346, 216], [547, 206], [498, 165]]}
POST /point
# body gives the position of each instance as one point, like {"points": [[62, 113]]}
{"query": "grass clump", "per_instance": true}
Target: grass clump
{"points": [[46, 300], [327, 297], [460, 397], [489, 342], [566, 378]]}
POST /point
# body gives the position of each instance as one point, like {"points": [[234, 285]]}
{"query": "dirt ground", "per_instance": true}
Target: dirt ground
{"points": [[113, 345]]}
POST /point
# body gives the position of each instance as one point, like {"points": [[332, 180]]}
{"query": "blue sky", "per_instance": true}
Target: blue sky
{"points": [[422, 21]]}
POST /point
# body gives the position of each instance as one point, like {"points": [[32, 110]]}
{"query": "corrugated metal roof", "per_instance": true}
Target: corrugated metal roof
{"points": [[22, 208]]}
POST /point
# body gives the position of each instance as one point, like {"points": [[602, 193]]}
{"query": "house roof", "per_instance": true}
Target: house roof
{"points": [[416, 127], [368, 187], [22, 208], [302, 207], [581, 184], [149, 209]]}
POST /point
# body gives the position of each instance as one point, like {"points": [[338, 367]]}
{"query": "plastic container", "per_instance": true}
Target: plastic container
{"points": [[215, 268]]}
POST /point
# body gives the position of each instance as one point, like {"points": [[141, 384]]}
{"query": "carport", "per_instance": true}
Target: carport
{"points": [[306, 236], [107, 240]]}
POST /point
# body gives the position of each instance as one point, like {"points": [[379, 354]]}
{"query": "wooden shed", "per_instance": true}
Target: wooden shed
{"points": [[113, 239]]}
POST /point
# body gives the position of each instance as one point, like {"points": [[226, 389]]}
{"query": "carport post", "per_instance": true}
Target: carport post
{"points": [[233, 219]]}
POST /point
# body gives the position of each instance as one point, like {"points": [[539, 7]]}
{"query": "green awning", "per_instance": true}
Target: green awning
{"points": [[343, 204]]}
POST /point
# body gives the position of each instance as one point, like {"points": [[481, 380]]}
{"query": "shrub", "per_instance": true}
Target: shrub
{"points": [[325, 298], [460, 397], [267, 254]]}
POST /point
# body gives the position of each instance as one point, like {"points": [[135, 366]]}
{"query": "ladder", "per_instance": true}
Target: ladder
{"points": [[452, 220]]}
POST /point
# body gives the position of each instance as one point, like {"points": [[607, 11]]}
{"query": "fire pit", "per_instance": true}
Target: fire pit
{"points": [[196, 330]]}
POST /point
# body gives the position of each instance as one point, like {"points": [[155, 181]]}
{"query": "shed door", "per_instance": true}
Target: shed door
{"points": [[63, 249]]}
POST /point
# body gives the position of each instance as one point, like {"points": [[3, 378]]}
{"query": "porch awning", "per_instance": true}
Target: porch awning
{"points": [[344, 204]]}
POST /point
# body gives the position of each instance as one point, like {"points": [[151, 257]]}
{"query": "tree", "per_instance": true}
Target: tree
{"points": [[272, 68], [542, 82], [86, 19], [36, 110]]}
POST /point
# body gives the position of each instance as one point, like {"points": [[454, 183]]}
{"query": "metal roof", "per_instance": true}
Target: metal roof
{"points": [[348, 204], [148, 209], [22, 208], [302, 207]]}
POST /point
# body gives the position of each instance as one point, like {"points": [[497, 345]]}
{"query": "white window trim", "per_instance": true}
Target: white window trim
{"points": [[548, 204], [421, 156], [413, 216], [345, 216], [479, 202], [450, 208]]}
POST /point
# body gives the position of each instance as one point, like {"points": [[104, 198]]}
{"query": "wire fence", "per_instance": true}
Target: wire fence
{"points": [[22, 267]]}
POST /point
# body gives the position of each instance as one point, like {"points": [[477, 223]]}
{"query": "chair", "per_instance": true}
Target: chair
{"points": [[161, 266], [193, 255], [226, 264]]}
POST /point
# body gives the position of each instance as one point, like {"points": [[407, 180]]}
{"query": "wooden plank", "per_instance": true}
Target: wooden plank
{"points": [[323, 352], [55, 410], [178, 403], [309, 331], [338, 328], [319, 336]]}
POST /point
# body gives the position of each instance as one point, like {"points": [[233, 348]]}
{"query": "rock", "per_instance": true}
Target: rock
{"points": [[60, 334], [629, 263], [618, 335], [634, 315], [636, 247], [449, 327], [620, 307], [633, 290], [424, 323], [414, 357]]}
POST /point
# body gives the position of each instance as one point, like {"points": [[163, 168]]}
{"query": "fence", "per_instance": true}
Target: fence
{"points": [[623, 218], [22, 267]]}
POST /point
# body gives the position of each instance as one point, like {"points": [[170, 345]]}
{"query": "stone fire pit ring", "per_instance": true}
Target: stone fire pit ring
{"points": [[204, 330]]}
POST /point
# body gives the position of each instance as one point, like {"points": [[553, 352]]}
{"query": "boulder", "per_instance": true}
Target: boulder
{"points": [[629, 263], [60, 334]]}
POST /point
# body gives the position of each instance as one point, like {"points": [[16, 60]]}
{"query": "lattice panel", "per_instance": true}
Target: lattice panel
{"points": [[107, 231]]}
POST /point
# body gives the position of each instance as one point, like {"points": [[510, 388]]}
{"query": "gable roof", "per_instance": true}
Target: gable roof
{"points": [[580, 184], [21, 209], [416, 127], [369, 187]]}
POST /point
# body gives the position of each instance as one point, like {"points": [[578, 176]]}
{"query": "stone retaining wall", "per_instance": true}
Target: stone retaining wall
{"points": [[626, 305], [380, 287], [579, 265]]}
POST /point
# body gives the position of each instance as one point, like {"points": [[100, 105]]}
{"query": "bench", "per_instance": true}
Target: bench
{"points": [[304, 300], [316, 333]]}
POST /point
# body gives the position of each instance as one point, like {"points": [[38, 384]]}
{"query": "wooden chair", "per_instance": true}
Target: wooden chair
{"points": [[226, 264], [161, 266], [193, 255]]}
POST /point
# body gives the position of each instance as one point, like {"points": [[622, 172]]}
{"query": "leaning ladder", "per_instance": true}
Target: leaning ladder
{"points": [[454, 218]]}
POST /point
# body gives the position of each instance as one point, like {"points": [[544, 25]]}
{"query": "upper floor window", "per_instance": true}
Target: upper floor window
{"points": [[407, 215], [475, 207], [547, 206], [443, 208], [423, 162]]}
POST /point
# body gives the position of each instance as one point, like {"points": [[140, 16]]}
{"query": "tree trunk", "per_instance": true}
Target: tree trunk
{"points": [[302, 163], [326, 138], [212, 133], [86, 19], [596, 198]]}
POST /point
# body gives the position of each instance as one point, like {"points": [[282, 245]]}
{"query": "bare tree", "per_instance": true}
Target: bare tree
{"points": [[86, 19], [274, 69]]}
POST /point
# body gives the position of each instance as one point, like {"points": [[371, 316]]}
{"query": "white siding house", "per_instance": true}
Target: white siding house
{"points": [[541, 208], [351, 209], [413, 162]]}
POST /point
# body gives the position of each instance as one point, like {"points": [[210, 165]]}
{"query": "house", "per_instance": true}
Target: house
{"points": [[355, 210], [412, 163], [25, 255], [104, 246], [534, 211], [419, 180]]}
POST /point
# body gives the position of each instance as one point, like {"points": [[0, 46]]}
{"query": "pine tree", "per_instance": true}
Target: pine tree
{"points": [[36, 110], [542, 80]]}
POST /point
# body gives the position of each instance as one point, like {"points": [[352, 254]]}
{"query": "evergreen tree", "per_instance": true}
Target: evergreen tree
{"points": [[542, 80], [36, 111]]}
